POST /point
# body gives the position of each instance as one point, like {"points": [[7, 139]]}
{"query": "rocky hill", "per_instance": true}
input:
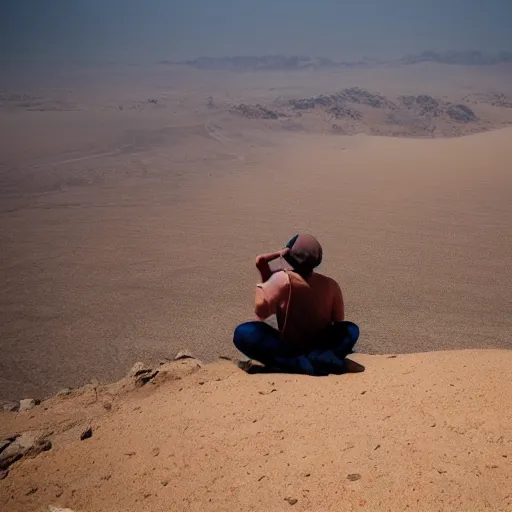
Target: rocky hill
{"points": [[357, 110]]}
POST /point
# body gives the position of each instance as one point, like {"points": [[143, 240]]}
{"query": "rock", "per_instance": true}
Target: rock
{"points": [[43, 446], [183, 354], [27, 444], [142, 377], [353, 477], [4, 443], [32, 490], [8, 406], [136, 368], [165, 483], [64, 392], [107, 406], [52, 508], [86, 434], [3, 473], [291, 501], [155, 452], [28, 403]]}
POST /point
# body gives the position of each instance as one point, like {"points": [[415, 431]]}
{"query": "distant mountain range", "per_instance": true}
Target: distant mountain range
{"points": [[279, 62], [469, 58]]}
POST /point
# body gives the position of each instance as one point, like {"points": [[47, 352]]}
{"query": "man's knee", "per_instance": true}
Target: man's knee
{"points": [[245, 335], [346, 331]]}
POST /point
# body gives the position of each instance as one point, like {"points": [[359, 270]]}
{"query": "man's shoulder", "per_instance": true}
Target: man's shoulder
{"points": [[276, 280], [327, 280]]}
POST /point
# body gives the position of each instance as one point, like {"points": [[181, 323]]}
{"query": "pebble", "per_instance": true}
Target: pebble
{"points": [[86, 434], [183, 354], [28, 403], [353, 477], [291, 501]]}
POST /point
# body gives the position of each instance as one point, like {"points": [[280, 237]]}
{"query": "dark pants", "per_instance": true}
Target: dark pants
{"points": [[263, 343]]}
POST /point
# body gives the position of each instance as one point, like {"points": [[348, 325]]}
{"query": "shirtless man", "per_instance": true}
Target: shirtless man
{"points": [[312, 336]]}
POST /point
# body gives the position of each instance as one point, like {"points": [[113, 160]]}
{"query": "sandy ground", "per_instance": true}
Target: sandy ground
{"points": [[425, 432], [129, 234]]}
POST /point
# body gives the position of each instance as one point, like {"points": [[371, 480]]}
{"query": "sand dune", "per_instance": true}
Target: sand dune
{"points": [[131, 233], [422, 432]]}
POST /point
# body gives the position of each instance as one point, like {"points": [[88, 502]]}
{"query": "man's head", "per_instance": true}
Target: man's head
{"points": [[304, 255]]}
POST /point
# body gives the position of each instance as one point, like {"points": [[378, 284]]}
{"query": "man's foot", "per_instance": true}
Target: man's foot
{"points": [[245, 364], [353, 367]]}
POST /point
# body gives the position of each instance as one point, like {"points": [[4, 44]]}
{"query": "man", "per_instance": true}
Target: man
{"points": [[312, 336]]}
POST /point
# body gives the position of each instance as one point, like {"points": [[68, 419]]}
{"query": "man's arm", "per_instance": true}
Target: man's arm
{"points": [[263, 260], [270, 294]]}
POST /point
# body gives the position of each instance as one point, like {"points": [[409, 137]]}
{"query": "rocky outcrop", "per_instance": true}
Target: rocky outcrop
{"points": [[461, 113], [17, 446], [424, 104], [256, 111]]}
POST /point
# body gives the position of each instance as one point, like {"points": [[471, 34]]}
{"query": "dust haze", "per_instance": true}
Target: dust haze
{"points": [[150, 151]]}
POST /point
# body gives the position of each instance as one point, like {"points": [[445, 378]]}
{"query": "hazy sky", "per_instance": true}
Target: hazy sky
{"points": [[158, 29]]}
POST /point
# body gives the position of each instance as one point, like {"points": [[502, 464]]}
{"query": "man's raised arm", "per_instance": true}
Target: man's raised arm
{"points": [[263, 260]]}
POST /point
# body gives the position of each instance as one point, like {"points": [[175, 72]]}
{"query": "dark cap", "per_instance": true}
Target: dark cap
{"points": [[305, 252]]}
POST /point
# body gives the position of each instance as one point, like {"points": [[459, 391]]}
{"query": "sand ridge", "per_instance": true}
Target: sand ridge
{"points": [[413, 432]]}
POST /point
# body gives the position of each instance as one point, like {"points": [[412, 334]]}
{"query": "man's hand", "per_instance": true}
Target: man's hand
{"points": [[263, 260]]}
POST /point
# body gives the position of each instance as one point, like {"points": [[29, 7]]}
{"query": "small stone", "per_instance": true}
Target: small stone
{"points": [[32, 490], [86, 434], [377, 447], [353, 477], [267, 392], [59, 493], [155, 452], [8, 406], [433, 425], [107, 406], [363, 392], [3, 473], [165, 482], [291, 501], [183, 354], [27, 403], [201, 382]]}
